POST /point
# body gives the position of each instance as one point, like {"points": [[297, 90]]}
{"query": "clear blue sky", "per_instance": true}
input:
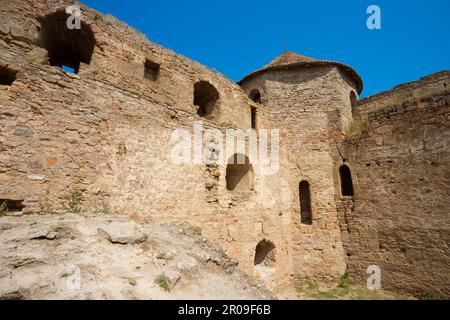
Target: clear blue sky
{"points": [[237, 37]]}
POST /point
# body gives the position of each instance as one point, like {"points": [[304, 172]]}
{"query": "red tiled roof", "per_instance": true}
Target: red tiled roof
{"points": [[288, 60]]}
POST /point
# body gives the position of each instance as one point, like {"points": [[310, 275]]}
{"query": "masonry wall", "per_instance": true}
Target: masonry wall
{"points": [[106, 132], [72, 131], [399, 216]]}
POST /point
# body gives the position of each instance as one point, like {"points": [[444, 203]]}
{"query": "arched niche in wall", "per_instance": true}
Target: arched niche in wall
{"points": [[255, 96], [265, 254], [239, 173], [66, 48], [206, 98]]}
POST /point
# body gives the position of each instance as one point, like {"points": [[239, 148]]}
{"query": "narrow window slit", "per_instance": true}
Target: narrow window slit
{"points": [[253, 117], [353, 101], [346, 181], [305, 203]]}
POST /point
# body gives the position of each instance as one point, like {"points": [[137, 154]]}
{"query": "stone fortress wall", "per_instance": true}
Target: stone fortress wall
{"points": [[399, 218], [106, 130]]}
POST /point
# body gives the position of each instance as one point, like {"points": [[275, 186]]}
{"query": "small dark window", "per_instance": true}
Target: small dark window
{"points": [[265, 254], [253, 117], [255, 96], [205, 98], [151, 70], [7, 76], [305, 203], [346, 181], [11, 205], [353, 101], [239, 173], [66, 47]]}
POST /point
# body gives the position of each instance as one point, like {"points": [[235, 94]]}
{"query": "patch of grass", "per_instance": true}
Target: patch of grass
{"points": [[353, 293], [312, 285], [429, 296], [344, 281], [343, 289], [3, 209], [300, 289], [75, 201], [326, 295], [163, 281], [356, 129]]}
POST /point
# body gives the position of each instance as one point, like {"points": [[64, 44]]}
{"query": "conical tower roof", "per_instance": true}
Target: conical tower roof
{"points": [[289, 60], [288, 57]]}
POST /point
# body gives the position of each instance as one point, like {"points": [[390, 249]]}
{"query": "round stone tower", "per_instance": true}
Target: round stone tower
{"points": [[311, 102], [298, 85]]}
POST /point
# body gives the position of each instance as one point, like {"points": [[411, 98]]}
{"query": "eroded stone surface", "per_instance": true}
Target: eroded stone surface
{"points": [[43, 257], [123, 232]]}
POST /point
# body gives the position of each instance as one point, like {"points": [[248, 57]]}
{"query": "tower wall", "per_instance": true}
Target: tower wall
{"points": [[311, 107]]}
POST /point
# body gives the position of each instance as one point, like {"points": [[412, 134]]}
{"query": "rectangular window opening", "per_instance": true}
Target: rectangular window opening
{"points": [[11, 205], [305, 203], [151, 71], [7, 76]]}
